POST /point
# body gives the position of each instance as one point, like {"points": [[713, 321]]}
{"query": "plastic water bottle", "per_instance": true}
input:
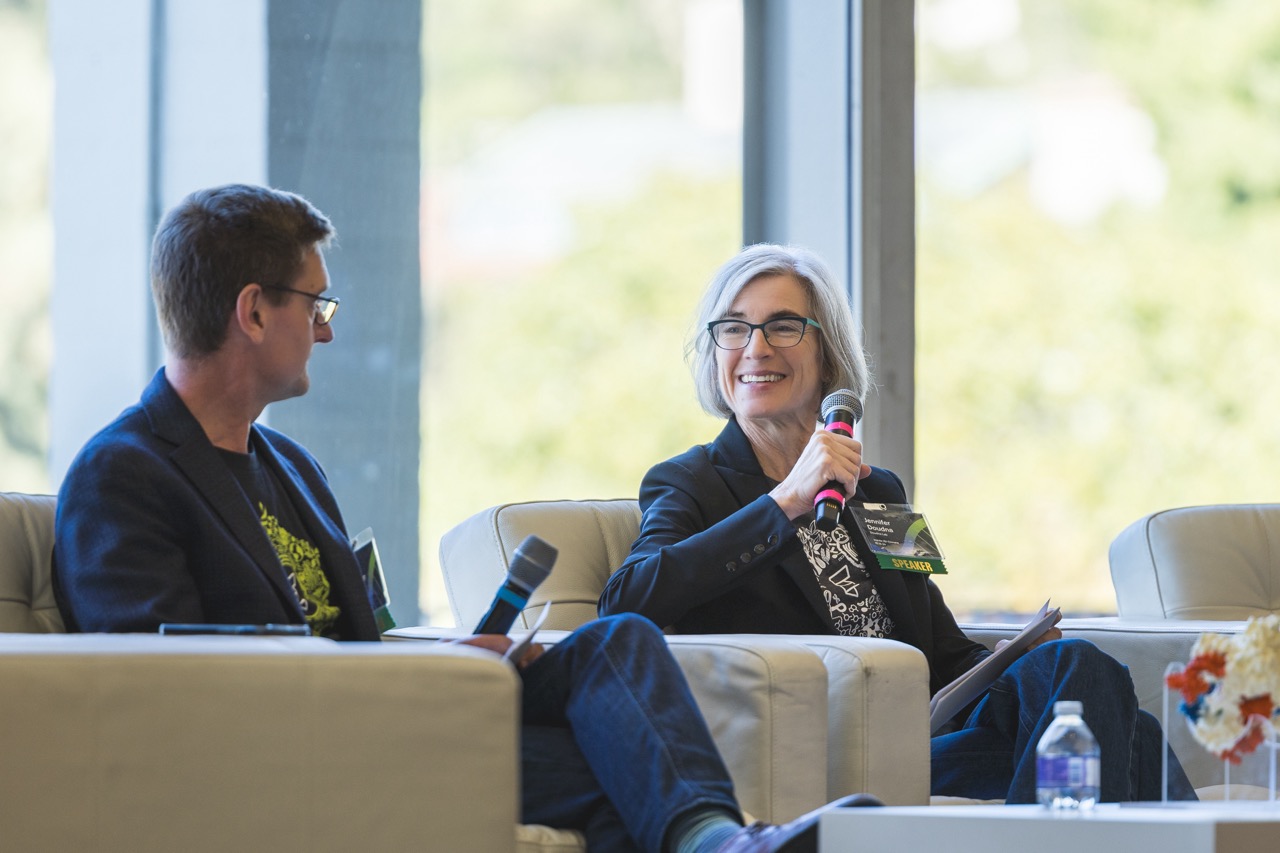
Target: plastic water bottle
{"points": [[1068, 763]]}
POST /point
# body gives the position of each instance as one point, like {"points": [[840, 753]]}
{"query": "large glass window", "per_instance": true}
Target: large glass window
{"points": [[581, 178], [1098, 202], [582, 181], [26, 107], [1097, 185]]}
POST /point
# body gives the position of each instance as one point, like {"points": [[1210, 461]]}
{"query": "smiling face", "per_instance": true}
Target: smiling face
{"points": [[766, 384]]}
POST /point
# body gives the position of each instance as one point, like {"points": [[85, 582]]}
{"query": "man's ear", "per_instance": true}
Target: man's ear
{"points": [[249, 319]]}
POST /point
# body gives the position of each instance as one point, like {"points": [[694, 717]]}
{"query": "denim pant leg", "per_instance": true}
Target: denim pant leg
{"points": [[1020, 707], [974, 762], [558, 789], [614, 685]]}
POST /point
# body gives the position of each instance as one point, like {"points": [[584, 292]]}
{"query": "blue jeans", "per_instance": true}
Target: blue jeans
{"points": [[612, 743], [993, 755]]}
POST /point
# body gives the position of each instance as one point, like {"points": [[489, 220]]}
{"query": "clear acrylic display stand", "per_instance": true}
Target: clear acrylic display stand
{"points": [[1252, 780]]}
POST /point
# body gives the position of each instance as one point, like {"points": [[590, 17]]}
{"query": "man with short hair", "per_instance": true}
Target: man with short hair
{"points": [[186, 510]]}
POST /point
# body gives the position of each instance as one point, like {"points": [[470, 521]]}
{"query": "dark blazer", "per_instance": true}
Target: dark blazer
{"points": [[717, 555], [153, 527]]}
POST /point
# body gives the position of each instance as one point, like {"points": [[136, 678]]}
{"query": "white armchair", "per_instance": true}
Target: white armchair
{"points": [[871, 732]]}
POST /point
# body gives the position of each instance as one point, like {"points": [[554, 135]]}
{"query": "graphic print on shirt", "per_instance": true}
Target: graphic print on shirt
{"points": [[855, 604], [301, 561]]}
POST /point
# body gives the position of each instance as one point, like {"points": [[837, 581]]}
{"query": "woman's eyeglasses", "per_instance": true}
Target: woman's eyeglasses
{"points": [[781, 332]]}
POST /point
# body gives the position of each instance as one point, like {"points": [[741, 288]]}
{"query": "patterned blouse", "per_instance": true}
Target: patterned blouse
{"points": [[855, 603]]}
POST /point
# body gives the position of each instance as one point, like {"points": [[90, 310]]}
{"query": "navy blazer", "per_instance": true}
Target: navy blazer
{"points": [[717, 555], [153, 527]]}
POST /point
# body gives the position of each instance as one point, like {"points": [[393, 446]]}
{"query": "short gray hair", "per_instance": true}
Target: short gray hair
{"points": [[844, 363]]}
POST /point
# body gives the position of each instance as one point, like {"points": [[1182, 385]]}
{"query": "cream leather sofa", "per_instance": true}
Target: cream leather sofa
{"points": [[1161, 559], [136, 742], [867, 723], [142, 742]]}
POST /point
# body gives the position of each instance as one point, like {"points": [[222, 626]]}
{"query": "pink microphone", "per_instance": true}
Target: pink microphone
{"points": [[840, 411]]}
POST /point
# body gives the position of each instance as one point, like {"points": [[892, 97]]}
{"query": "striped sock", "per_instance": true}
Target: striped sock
{"points": [[703, 831]]}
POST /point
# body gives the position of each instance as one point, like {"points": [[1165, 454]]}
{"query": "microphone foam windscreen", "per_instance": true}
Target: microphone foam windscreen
{"points": [[842, 399], [532, 562]]}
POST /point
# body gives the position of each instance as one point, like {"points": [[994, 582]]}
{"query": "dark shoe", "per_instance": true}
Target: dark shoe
{"points": [[798, 836]]}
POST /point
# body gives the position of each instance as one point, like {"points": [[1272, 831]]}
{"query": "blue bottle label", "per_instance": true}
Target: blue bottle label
{"points": [[1067, 771]]}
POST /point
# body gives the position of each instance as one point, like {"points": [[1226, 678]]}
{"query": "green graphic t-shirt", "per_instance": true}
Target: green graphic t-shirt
{"points": [[299, 557], [301, 561]]}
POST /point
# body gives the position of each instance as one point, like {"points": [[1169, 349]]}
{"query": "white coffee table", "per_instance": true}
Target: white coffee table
{"points": [[1198, 828]]}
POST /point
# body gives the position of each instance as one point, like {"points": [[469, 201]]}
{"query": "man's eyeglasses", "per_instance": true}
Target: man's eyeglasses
{"points": [[325, 306], [781, 332]]}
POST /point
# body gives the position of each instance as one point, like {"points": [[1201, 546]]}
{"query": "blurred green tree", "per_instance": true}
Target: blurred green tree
{"points": [[571, 383], [560, 377], [26, 96], [1072, 378]]}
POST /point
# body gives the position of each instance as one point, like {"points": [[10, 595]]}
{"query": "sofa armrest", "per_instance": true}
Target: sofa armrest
{"points": [[143, 742], [765, 701], [870, 696], [878, 705], [1147, 647]]}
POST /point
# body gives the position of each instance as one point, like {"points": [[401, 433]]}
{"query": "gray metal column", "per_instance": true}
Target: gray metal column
{"points": [[828, 140], [344, 113], [883, 232], [796, 130]]}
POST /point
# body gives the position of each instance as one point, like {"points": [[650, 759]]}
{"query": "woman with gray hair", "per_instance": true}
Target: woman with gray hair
{"points": [[842, 361], [775, 334], [730, 541]]}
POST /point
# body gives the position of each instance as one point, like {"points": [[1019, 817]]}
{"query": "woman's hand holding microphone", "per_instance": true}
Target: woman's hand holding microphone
{"points": [[827, 457]]}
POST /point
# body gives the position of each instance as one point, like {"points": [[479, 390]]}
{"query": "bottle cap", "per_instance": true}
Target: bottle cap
{"points": [[1060, 708]]}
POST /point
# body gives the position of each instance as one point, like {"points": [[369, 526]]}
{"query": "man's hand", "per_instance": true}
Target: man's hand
{"points": [[499, 644]]}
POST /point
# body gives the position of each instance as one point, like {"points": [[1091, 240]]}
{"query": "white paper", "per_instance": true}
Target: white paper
{"points": [[948, 701], [523, 642]]}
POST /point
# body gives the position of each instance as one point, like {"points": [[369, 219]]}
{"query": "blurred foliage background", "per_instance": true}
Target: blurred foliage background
{"points": [[1098, 194], [555, 367], [26, 110], [1083, 363]]}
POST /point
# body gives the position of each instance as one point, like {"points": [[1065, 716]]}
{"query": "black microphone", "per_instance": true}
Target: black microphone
{"points": [[840, 411], [530, 565]]}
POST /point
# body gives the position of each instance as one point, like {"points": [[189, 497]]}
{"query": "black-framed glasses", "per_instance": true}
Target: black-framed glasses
{"points": [[325, 306], [780, 332]]}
